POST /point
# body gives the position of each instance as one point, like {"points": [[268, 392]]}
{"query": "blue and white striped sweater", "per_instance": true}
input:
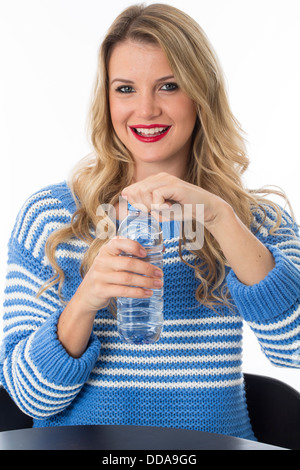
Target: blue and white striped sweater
{"points": [[191, 378]]}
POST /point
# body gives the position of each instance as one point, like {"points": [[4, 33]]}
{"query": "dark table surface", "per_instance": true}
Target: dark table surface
{"points": [[121, 438]]}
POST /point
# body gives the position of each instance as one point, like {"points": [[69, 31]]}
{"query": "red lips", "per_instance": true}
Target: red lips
{"points": [[151, 133]]}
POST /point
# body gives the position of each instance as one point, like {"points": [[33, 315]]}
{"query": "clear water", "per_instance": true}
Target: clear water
{"points": [[140, 321]]}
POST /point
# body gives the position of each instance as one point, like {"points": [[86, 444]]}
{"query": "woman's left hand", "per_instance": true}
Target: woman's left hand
{"points": [[248, 257], [162, 190]]}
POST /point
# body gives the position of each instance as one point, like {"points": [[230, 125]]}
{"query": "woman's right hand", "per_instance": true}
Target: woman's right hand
{"points": [[109, 276], [112, 275]]}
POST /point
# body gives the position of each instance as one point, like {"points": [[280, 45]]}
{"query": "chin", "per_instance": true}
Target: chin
{"points": [[150, 158]]}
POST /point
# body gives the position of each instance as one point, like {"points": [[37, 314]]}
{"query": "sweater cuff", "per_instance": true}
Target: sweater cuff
{"points": [[272, 296], [52, 360]]}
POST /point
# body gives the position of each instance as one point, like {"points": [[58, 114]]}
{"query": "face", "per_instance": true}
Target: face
{"points": [[151, 115]]}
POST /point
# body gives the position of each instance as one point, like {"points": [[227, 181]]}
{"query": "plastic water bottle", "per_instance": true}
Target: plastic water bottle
{"points": [[140, 321]]}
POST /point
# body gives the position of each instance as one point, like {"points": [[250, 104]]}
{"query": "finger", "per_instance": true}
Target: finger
{"points": [[113, 291], [133, 280], [163, 194], [133, 265], [146, 199], [142, 203], [142, 192], [118, 245], [150, 183], [114, 262]]}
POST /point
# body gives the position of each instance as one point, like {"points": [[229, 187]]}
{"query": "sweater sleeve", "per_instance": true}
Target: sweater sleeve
{"points": [[35, 369], [272, 307]]}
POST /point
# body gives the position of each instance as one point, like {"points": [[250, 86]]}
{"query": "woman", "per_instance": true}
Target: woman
{"points": [[162, 131]]}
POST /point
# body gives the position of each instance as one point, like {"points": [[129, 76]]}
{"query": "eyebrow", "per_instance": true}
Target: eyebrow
{"points": [[125, 80]]}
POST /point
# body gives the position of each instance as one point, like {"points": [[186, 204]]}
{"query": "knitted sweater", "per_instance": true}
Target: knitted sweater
{"points": [[191, 378]]}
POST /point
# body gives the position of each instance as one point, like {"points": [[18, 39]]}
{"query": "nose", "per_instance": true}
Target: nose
{"points": [[148, 106]]}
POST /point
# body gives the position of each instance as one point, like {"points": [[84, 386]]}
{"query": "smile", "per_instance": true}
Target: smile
{"points": [[151, 133]]}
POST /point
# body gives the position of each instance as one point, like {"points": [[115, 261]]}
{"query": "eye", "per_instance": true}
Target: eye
{"points": [[169, 87], [125, 89]]}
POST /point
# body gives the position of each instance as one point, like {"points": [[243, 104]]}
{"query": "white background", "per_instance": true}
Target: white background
{"points": [[48, 61]]}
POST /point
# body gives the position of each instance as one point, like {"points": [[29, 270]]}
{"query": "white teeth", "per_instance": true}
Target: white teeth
{"points": [[152, 131]]}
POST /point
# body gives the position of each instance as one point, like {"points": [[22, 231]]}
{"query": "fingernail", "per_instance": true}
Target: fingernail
{"points": [[158, 283], [143, 252], [158, 273], [148, 292]]}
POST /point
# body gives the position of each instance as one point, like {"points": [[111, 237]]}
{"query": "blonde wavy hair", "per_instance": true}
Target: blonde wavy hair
{"points": [[217, 158]]}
